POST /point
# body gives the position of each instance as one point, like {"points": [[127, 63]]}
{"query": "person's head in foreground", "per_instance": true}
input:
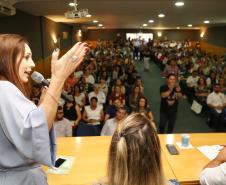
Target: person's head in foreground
{"points": [[135, 154]]}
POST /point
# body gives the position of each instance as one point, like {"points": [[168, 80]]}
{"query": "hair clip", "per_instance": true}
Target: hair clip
{"points": [[122, 134]]}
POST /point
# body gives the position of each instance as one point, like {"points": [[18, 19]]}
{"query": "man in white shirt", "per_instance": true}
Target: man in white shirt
{"points": [[97, 93], [62, 126], [216, 101], [111, 124], [214, 173]]}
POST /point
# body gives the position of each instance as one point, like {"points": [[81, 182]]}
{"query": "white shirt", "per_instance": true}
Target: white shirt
{"points": [[90, 79], [100, 96], [94, 114], [78, 99], [216, 99], [192, 81], [109, 127], [214, 176], [63, 128]]}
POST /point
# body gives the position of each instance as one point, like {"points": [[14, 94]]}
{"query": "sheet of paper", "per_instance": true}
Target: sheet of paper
{"points": [[65, 168], [210, 151]]}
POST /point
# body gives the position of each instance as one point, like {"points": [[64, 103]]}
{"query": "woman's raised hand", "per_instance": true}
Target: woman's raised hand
{"points": [[61, 68]]}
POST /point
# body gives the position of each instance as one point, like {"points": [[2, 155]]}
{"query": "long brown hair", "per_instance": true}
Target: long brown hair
{"points": [[12, 46], [135, 154]]}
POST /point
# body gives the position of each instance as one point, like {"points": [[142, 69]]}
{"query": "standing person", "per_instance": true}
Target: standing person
{"points": [[169, 93], [25, 129], [135, 154]]}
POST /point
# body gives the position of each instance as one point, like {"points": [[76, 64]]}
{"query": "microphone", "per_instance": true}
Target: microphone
{"points": [[39, 79]]}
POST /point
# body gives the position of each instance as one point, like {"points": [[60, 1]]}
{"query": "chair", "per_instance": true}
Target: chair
{"points": [[84, 129]]}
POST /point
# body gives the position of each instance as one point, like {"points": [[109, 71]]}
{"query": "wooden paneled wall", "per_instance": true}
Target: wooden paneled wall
{"points": [[44, 65], [210, 48]]}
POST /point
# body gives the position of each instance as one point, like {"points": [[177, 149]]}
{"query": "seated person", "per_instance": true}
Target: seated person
{"points": [[143, 108], [111, 124], [62, 125], [134, 97], [216, 102], [36, 92], [80, 97], [172, 68], [214, 173], [117, 94], [191, 82], [118, 82], [93, 114], [201, 93], [72, 112], [97, 93], [111, 109], [135, 154], [103, 86]]}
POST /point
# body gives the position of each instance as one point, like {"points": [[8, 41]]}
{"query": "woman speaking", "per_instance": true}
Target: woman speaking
{"points": [[25, 129]]}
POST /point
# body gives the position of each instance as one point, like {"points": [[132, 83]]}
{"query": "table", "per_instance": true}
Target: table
{"points": [[188, 165], [91, 155]]}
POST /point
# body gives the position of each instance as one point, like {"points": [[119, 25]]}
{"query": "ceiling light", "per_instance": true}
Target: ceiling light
{"points": [[206, 21], [88, 15], [161, 15], [145, 25], [100, 25], [71, 4], [179, 3], [151, 21], [189, 25], [95, 21]]}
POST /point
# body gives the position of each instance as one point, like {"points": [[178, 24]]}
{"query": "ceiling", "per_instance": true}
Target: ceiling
{"points": [[132, 13]]}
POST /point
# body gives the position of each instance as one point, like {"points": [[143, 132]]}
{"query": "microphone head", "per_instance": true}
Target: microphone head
{"points": [[37, 77]]}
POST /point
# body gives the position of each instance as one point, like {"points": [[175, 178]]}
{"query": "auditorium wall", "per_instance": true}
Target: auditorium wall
{"points": [[26, 25], [39, 31], [216, 36], [111, 34]]}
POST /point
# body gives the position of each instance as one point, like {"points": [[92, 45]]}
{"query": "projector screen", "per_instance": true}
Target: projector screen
{"points": [[140, 36]]}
